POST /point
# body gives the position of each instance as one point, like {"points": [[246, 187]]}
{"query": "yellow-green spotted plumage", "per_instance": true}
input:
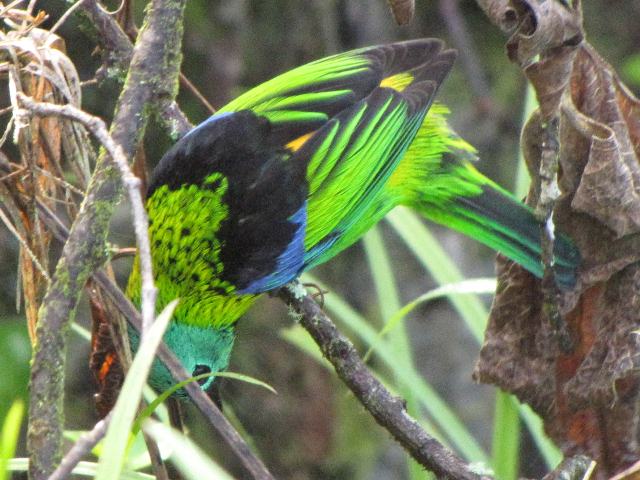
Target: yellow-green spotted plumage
{"points": [[294, 171]]}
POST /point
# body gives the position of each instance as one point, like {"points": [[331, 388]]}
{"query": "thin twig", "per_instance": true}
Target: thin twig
{"points": [[65, 16], [159, 467], [389, 411], [184, 81], [549, 193], [25, 246], [132, 183], [579, 467], [81, 448]]}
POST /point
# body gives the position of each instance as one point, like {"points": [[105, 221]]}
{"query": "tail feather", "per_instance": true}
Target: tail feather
{"points": [[436, 179], [510, 227]]}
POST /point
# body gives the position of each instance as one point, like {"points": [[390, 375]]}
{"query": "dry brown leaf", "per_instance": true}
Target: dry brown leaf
{"points": [[35, 63], [586, 396]]}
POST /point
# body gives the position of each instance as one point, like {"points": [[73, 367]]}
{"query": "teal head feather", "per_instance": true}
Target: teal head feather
{"points": [[200, 350]]}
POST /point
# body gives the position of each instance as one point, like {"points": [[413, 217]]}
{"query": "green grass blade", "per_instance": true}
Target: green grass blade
{"points": [[506, 437], [382, 273], [435, 260], [300, 338], [117, 438], [551, 454], [149, 409], [523, 179], [87, 469], [188, 458], [9, 437], [471, 286], [388, 303]]}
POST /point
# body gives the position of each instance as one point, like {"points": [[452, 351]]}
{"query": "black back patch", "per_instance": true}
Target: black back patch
{"points": [[265, 190]]}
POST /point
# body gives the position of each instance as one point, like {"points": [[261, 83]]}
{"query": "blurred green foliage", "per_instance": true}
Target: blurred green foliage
{"points": [[16, 353]]}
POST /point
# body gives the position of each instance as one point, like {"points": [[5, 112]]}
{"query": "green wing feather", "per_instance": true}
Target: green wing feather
{"points": [[359, 122], [350, 118]]}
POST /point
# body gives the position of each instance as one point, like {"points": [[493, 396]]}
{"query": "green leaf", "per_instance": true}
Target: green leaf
{"points": [[471, 286], [87, 469], [188, 458], [117, 438], [10, 434], [506, 437]]}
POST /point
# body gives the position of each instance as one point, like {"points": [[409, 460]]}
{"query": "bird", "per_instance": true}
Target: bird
{"points": [[297, 169]]}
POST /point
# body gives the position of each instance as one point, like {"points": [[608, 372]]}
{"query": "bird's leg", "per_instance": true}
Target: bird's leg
{"points": [[318, 296]]}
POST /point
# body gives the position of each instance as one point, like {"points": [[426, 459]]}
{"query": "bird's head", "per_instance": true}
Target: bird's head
{"points": [[199, 349]]}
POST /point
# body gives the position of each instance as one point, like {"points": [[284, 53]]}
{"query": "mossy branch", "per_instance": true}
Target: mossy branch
{"points": [[152, 75]]}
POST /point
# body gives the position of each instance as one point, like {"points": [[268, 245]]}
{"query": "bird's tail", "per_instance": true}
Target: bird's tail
{"points": [[437, 180]]}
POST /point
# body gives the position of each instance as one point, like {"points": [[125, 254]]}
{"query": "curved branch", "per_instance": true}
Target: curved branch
{"points": [[389, 411]]}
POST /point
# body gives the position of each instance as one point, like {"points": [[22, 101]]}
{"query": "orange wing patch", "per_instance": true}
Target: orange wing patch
{"points": [[295, 144], [397, 82]]}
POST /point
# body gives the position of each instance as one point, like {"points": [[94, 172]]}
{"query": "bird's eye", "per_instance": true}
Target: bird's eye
{"points": [[200, 370]]}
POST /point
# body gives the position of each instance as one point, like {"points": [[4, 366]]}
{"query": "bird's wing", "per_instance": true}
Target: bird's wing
{"points": [[336, 129], [302, 100], [351, 158]]}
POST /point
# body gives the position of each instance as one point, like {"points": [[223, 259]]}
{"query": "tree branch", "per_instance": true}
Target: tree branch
{"points": [[119, 50], [81, 448], [389, 411], [132, 183], [152, 75]]}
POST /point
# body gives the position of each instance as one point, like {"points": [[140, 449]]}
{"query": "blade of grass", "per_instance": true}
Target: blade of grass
{"points": [[117, 438], [149, 409], [551, 454], [300, 338], [506, 437], [471, 286], [188, 458], [87, 469], [388, 303], [523, 179], [436, 261], [9, 437]]}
